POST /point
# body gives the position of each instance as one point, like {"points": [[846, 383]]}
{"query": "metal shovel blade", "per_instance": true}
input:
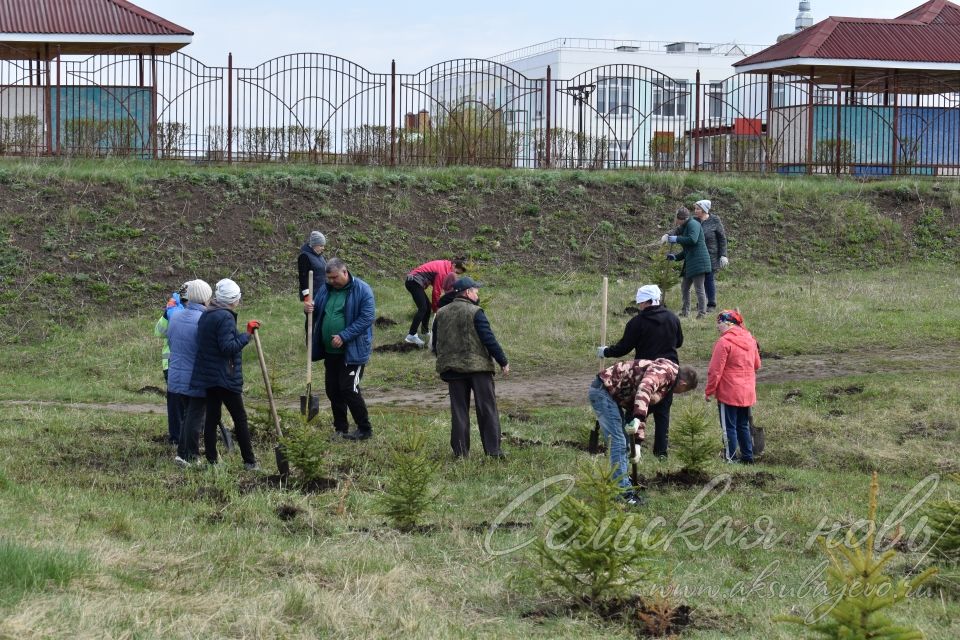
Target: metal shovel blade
{"points": [[227, 438], [310, 409], [594, 444]]}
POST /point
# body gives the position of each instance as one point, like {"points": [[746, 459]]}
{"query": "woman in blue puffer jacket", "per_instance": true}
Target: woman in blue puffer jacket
{"points": [[182, 334], [219, 369]]}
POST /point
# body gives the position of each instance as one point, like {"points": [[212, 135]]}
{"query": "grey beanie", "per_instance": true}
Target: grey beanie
{"points": [[317, 238], [227, 292]]}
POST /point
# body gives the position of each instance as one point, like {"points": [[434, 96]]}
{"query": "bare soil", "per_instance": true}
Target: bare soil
{"points": [[568, 389]]}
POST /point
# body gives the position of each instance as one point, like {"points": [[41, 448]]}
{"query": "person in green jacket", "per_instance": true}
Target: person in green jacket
{"points": [[696, 260]]}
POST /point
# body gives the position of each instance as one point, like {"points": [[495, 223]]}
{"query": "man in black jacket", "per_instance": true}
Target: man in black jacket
{"points": [[653, 333]]}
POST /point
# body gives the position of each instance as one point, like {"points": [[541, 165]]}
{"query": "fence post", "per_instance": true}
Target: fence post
{"points": [[696, 125], [59, 123], [393, 113], [229, 108], [547, 135], [768, 144], [810, 88], [839, 122], [896, 124], [47, 101], [154, 125]]}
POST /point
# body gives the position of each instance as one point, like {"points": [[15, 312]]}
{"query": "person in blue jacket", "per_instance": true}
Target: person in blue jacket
{"points": [[182, 334], [343, 338], [218, 369], [175, 402]]}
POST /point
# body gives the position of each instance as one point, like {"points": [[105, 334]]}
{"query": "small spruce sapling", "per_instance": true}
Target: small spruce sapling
{"points": [[860, 593], [307, 450], [407, 490], [692, 441], [663, 273], [944, 522], [592, 548]]}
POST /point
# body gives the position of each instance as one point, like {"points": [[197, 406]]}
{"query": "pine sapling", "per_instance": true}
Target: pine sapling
{"points": [[663, 273], [944, 522], [692, 441], [592, 548], [860, 593], [407, 490], [308, 451]]}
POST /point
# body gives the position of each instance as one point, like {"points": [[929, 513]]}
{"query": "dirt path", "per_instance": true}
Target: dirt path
{"points": [[569, 388]]}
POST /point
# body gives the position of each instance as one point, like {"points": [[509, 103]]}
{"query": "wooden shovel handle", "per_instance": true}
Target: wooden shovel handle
{"points": [[603, 320], [266, 382], [310, 331]]}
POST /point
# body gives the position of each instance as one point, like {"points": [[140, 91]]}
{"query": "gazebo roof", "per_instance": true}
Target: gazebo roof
{"points": [[925, 40], [28, 27]]}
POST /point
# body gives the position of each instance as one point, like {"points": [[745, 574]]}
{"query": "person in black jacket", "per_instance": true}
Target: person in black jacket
{"points": [[311, 259], [218, 369], [653, 333]]}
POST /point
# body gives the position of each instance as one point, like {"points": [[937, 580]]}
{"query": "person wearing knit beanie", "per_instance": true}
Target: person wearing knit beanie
{"points": [[228, 292], [198, 291]]}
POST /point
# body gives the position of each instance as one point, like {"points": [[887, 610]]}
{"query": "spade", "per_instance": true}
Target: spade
{"points": [[283, 465], [309, 402]]}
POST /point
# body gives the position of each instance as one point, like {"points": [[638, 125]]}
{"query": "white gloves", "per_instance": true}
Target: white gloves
{"points": [[637, 453], [600, 351], [672, 239], [632, 426], [724, 261], [665, 239]]}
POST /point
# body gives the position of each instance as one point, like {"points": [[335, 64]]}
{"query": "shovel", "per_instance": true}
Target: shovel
{"points": [[283, 465], [595, 434], [309, 403]]}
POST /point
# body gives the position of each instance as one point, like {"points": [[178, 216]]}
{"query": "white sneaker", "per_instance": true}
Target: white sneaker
{"points": [[180, 462], [414, 339]]}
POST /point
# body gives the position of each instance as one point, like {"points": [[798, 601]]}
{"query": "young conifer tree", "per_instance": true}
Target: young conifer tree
{"points": [[663, 273], [944, 522], [407, 491], [692, 441], [861, 595]]}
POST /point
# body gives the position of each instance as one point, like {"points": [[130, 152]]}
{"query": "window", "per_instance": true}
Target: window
{"points": [[715, 100], [615, 96], [670, 99], [779, 95], [618, 153]]}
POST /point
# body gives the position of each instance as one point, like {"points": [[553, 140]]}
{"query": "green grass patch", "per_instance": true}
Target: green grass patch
{"points": [[25, 570]]}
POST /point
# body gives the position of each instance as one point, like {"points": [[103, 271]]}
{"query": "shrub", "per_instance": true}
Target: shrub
{"points": [[860, 594], [592, 548], [407, 490], [691, 441]]}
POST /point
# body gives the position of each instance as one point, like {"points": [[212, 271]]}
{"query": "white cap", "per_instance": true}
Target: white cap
{"points": [[649, 292], [705, 205], [228, 291]]}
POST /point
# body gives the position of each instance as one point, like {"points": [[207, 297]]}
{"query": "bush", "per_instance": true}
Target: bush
{"points": [[407, 490], [591, 548]]}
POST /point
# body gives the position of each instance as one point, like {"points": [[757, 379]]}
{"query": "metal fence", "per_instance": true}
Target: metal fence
{"points": [[317, 108]]}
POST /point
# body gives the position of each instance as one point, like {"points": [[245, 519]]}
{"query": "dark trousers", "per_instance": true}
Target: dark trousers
{"points": [[188, 447], [176, 404], [710, 287], [218, 397], [488, 419], [661, 420], [342, 384], [422, 317]]}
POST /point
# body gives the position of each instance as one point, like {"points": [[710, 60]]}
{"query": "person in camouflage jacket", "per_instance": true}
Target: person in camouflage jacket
{"points": [[628, 390]]}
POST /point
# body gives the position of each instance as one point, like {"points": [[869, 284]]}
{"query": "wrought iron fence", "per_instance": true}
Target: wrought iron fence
{"points": [[317, 108]]}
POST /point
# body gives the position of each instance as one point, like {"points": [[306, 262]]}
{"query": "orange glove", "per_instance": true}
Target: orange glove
{"points": [[252, 326]]}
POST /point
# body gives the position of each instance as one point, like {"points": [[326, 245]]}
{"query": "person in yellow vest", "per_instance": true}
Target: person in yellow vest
{"points": [[467, 351]]}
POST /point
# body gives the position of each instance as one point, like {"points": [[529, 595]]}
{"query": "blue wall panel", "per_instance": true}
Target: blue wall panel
{"points": [[96, 120]]}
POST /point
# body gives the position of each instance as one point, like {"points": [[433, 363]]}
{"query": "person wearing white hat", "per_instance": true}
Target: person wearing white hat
{"points": [[653, 333], [716, 238]]}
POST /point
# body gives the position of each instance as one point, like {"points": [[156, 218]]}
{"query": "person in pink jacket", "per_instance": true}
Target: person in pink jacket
{"points": [[429, 274], [732, 378]]}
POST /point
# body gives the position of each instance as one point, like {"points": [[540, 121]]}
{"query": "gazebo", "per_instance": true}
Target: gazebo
{"points": [[53, 102], [866, 96]]}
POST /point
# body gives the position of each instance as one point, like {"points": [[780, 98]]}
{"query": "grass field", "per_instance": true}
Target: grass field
{"points": [[101, 536]]}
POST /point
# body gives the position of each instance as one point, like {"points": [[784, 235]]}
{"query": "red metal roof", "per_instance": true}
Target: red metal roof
{"points": [[83, 17], [929, 33]]}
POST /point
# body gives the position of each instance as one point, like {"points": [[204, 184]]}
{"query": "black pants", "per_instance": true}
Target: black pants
{"points": [[661, 419], [218, 397], [488, 420], [422, 317], [342, 384], [190, 429]]}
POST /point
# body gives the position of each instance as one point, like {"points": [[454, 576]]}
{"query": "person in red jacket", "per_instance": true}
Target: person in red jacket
{"points": [[429, 274], [732, 378]]}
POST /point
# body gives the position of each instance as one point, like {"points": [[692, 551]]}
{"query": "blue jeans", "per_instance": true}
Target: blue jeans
{"points": [[735, 421], [611, 421], [710, 286]]}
